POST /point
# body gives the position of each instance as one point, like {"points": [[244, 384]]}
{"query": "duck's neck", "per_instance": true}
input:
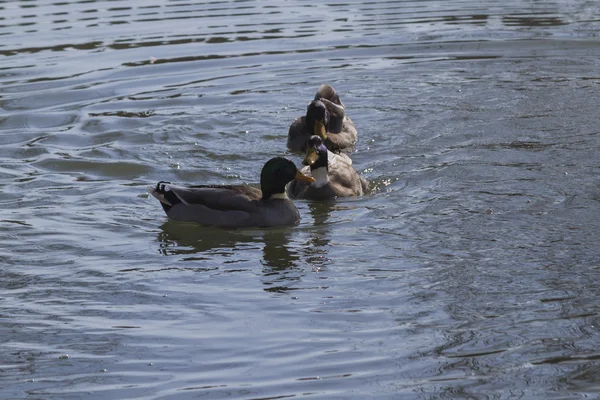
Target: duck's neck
{"points": [[281, 196], [321, 175], [272, 189]]}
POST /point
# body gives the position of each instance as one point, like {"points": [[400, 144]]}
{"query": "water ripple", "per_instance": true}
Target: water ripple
{"points": [[468, 271]]}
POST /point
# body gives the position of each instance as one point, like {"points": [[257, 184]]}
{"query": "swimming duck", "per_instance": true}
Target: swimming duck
{"points": [[326, 117], [333, 177], [233, 206]]}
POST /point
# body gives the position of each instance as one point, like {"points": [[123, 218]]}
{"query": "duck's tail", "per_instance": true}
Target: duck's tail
{"points": [[162, 193]]}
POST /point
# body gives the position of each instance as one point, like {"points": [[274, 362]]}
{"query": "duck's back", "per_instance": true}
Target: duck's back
{"points": [[219, 197]]}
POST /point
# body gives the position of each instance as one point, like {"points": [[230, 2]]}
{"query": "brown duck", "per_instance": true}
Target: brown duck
{"points": [[325, 117], [333, 177]]}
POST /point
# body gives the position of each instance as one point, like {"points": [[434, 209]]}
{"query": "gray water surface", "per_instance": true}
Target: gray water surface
{"points": [[470, 271]]}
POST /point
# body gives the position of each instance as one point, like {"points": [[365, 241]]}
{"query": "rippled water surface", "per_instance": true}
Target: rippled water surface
{"points": [[470, 271]]}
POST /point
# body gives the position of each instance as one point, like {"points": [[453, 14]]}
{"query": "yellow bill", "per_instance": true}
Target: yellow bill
{"points": [[301, 177], [320, 129], [311, 156]]}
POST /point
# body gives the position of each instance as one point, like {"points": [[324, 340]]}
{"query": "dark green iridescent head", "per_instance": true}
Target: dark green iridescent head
{"points": [[277, 173]]}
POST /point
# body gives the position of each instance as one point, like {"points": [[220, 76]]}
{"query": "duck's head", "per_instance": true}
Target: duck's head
{"points": [[317, 118], [326, 91], [277, 173], [316, 154]]}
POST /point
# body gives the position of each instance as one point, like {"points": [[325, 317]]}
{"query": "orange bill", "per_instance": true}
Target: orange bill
{"points": [[301, 177]]}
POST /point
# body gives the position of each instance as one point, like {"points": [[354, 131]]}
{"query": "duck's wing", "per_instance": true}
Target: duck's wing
{"points": [[344, 180], [298, 135], [337, 115], [334, 158], [213, 197], [343, 141]]}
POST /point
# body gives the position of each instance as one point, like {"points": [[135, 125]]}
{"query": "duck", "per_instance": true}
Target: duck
{"points": [[235, 206], [333, 177], [326, 117]]}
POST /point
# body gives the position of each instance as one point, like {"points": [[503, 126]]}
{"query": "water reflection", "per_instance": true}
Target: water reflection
{"points": [[180, 238], [278, 255], [278, 251], [176, 238], [281, 262], [320, 211], [320, 236], [284, 261], [533, 21], [280, 259]]}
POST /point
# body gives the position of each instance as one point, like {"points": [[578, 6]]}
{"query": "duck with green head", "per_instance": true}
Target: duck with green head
{"points": [[325, 117], [234, 206], [333, 177]]}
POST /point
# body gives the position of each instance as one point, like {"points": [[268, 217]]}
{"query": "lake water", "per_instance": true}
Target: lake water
{"points": [[471, 270]]}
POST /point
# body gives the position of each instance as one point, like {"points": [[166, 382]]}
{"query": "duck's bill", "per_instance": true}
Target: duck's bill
{"points": [[301, 177], [320, 129], [311, 157]]}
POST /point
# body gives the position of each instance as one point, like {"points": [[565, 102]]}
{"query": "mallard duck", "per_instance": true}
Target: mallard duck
{"points": [[326, 117], [232, 206], [333, 177]]}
